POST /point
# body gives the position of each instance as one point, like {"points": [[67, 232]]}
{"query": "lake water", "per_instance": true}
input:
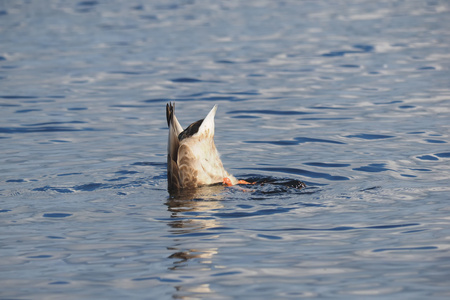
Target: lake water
{"points": [[350, 97]]}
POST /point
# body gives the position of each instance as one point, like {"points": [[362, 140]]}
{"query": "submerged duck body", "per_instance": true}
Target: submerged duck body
{"points": [[192, 157]]}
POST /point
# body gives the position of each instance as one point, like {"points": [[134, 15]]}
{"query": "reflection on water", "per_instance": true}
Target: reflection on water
{"points": [[196, 225], [193, 292], [189, 225], [211, 192], [184, 256]]}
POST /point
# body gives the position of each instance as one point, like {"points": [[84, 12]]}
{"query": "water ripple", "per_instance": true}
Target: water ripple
{"points": [[367, 136], [360, 49], [56, 215], [269, 112], [434, 157], [46, 127], [296, 141], [373, 168], [343, 228], [302, 172], [327, 165], [407, 249], [13, 97], [262, 212], [192, 80]]}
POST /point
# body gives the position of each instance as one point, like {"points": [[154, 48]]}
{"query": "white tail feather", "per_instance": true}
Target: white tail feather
{"points": [[207, 127]]}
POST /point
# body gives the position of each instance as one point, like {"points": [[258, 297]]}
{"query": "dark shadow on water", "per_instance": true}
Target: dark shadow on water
{"points": [[269, 185], [302, 172]]}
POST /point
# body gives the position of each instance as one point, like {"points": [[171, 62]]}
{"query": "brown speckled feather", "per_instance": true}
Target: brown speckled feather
{"points": [[173, 177]]}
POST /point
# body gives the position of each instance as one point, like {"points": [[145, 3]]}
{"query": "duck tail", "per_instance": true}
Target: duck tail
{"points": [[172, 147]]}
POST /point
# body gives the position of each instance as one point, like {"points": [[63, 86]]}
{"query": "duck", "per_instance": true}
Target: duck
{"points": [[192, 157]]}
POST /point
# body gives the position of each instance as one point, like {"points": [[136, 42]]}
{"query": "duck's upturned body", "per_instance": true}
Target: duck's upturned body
{"points": [[192, 157]]}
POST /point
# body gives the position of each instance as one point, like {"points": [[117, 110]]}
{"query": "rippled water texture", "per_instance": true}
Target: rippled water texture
{"points": [[350, 97]]}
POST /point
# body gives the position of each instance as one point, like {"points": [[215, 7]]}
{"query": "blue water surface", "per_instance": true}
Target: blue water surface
{"points": [[350, 97]]}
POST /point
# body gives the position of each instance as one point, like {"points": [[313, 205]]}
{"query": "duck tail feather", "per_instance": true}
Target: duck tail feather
{"points": [[207, 126]]}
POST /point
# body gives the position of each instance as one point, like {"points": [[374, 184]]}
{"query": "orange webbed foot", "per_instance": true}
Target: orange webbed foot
{"points": [[227, 181], [245, 182]]}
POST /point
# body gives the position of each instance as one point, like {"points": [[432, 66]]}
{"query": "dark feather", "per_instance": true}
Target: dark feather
{"points": [[190, 131], [169, 112], [173, 179]]}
